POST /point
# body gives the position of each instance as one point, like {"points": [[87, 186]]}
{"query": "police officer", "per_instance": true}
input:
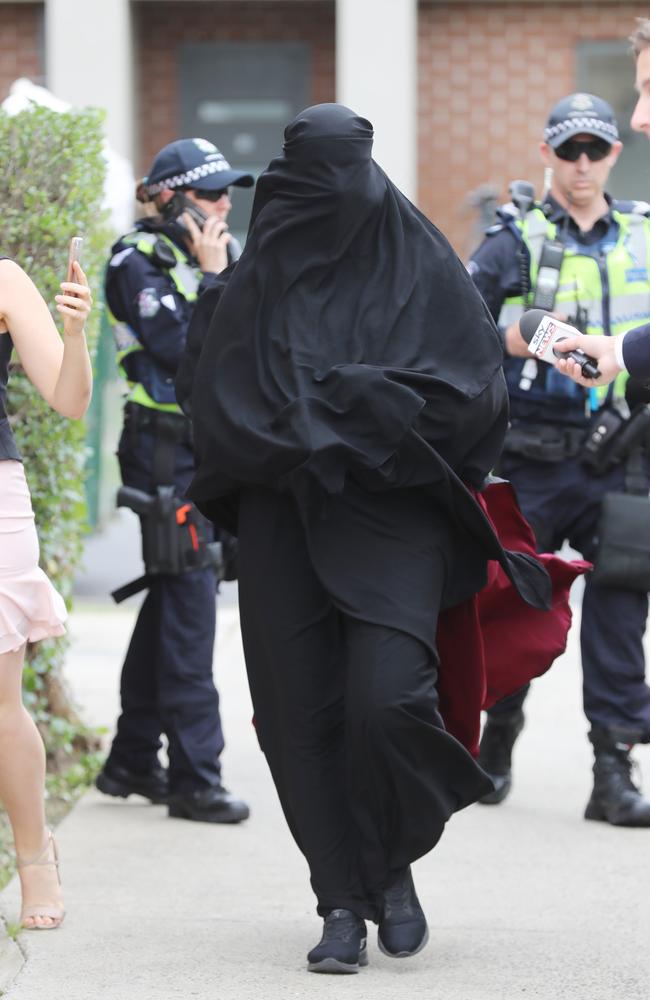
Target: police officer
{"points": [[155, 276], [585, 257]]}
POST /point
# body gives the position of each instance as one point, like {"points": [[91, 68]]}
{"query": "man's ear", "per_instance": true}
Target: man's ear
{"points": [[615, 152], [546, 154]]}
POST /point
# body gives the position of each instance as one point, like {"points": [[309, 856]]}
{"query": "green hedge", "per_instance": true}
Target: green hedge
{"points": [[51, 185]]}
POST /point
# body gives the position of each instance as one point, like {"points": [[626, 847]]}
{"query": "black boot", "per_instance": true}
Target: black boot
{"points": [[121, 782], [342, 947], [615, 798], [402, 930], [208, 805], [495, 753]]}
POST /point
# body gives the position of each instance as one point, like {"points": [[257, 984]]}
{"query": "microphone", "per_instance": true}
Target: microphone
{"points": [[544, 334]]}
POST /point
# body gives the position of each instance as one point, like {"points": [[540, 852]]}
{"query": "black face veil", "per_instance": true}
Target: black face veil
{"points": [[346, 315]]}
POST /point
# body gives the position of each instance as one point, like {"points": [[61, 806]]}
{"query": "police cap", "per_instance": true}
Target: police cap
{"points": [[193, 163], [580, 114]]}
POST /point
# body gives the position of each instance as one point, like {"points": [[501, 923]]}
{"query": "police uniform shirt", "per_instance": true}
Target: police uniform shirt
{"points": [[495, 267], [140, 293]]}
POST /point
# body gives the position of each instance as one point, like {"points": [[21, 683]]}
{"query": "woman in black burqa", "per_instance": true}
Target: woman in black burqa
{"points": [[348, 393]]}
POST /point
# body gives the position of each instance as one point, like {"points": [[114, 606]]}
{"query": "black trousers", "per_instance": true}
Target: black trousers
{"points": [[167, 684], [346, 711]]}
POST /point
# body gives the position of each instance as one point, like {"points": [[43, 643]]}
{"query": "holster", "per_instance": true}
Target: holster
{"points": [[175, 536], [543, 442], [623, 553]]}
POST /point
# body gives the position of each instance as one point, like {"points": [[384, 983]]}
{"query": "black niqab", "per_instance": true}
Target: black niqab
{"points": [[347, 312], [350, 345]]}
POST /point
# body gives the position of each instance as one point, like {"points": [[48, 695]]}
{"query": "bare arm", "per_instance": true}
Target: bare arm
{"points": [[60, 370]]}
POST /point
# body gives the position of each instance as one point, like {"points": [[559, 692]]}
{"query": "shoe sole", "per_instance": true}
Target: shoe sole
{"points": [[109, 787], [494, 798], [403, 954], [595, 815], [178, 812], [334, 967]]}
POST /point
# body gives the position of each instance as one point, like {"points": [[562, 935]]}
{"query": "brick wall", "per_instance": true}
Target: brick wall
{"points": [[488, 75], [20, 44], [160, 28]]}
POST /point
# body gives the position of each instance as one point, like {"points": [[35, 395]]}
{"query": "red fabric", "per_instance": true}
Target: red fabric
{"points": [[495, 643]]}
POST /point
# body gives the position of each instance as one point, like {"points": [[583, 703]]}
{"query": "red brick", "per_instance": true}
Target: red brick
{"points": [[20, 44]]}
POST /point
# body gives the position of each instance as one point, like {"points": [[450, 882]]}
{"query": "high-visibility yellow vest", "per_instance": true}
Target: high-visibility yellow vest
{"points": [[614, 289], [186, 279]]}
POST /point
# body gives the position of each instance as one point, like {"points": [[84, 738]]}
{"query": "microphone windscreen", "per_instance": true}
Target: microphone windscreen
{"points": [[529, 323]]}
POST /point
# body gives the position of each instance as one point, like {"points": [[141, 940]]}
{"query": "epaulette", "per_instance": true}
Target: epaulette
{"points": [[631, 207], [494, 229]]}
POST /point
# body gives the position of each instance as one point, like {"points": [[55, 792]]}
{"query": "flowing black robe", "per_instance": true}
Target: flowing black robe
{"points": [[346, 401]]}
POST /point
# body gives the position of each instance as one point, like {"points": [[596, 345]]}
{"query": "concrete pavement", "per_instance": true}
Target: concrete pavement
{"points": [[524, 900]]}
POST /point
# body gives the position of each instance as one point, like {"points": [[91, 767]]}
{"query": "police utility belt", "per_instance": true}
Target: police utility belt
{"points": [[174, 533], [622, 556], [544, 442], [610, 440]]}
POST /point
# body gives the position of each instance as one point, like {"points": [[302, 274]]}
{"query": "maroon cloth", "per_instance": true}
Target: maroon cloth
{"points": [[493, 644]]}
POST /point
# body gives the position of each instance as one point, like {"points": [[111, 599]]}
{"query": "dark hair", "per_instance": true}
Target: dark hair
{"points": [[640, 37]]}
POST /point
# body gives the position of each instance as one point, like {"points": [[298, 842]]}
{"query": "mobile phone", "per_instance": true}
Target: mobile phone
{"points": [[181, 203], [74, 254]]}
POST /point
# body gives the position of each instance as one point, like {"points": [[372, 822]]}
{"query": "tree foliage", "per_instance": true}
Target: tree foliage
{"points": [[51, 188]]}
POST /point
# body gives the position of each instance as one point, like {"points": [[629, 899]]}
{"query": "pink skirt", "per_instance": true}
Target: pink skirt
{"points": [[30, 607]]}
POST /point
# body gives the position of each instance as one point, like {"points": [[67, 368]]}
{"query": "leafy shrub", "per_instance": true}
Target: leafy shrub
{"points": [[51, 186]]}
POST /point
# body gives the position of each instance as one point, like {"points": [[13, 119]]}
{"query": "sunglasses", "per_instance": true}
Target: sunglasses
{"points": [[213, 195], [572, 150]]}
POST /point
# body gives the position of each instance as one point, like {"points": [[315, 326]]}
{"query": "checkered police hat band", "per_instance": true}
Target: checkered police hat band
{"points": [[189, 177], [586, 124]]}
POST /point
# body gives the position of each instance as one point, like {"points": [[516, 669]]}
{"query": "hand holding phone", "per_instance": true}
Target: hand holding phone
{"points": [[74, 302], [74, 255]]}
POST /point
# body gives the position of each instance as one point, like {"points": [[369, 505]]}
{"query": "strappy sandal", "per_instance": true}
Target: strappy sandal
{"points": [[55, 913]]}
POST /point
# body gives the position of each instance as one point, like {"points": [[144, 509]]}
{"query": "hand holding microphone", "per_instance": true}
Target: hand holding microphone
{"points": [[545, 335]]}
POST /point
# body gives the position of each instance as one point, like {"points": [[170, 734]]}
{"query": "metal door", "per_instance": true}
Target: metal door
{"points": [[240, 96]]}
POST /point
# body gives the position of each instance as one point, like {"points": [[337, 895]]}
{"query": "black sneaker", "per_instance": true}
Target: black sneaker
{"points": [[342, 948], [402, 930], [208, 805], [120, 782]]}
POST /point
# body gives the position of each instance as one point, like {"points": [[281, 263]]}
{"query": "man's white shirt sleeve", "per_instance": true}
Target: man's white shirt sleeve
{"points": [[618, 351]]}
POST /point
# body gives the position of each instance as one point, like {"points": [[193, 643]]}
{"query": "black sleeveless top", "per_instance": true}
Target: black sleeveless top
{"points": [[8, 448]]}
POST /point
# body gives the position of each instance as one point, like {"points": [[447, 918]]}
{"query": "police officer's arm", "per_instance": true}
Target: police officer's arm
{"points": [[142, 295], [495, 270]]}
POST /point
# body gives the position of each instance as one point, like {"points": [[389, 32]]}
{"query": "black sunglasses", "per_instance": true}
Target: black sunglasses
{"points": [[573, 149], [212, 195]]}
